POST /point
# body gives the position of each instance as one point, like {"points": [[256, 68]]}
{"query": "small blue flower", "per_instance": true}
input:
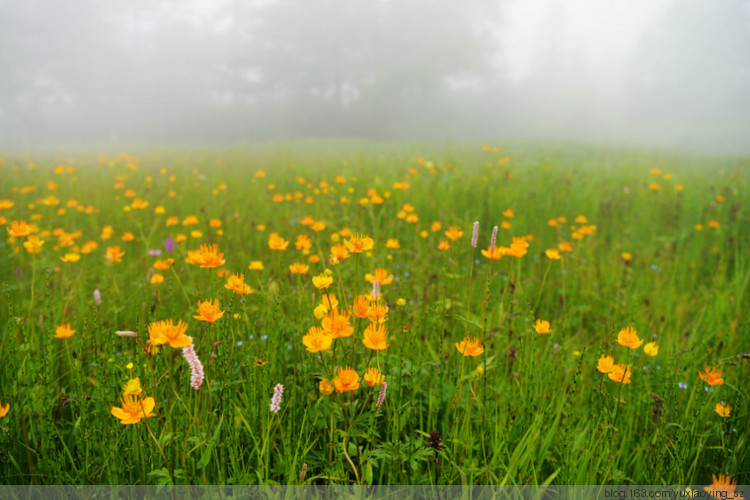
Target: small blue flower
{"points": [[264, 337], [239, 343], [682, 386]]}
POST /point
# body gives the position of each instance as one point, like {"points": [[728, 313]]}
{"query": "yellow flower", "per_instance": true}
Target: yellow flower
{"points": [[156, 279], [322, 281], [165, 332], [4, 411], [134, 409], [346, 380], [163, 265], [208, 311], [325, 387], [375, 337], [628, 337], [446, 245], [256, 265], [711, 376], [132, 387], [33, 244], [303, 242], [620, 373], [392, 243], [373, 377], [470, 347], [723, 409], [70, 258], [606, 364], [508, 214], [359, 243], [652, 349], [317, 340], [64, 331], [542, 326], [626, 256], [400, 301], [552, 253], [236, 283]]}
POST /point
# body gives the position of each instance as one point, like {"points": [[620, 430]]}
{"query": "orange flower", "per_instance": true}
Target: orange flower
{"points": [[445, 245], [377, 312], [711, 376], [337, 324], [134, 409], [19, 229], [620, 373], [381, 275], [276, 242], [722, 487], [552, 253], [317, 340], [470, 347], [325, 387], [373, 377], [392, 243], [236, 283], [542, 326], [208, 311], [454, 232], [347, 380], [723, 409], [361, 306], [322, 281], [114, 254], [628, 337], [33, 244], [606, 364], [494, 254], [4, 411], [64, 331], [163, 265], [375, 337], [69, 258], [210, 256], [164, 332], [339, 252], [303, 242], [359, 243], [298, 268]]}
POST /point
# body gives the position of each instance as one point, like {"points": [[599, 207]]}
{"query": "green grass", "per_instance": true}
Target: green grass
{"points": [[541, 412]]}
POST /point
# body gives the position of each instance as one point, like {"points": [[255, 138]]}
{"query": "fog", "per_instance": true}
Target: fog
{"points": [[655, 73]]}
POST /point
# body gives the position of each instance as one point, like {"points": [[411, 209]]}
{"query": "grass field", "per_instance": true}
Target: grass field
{"points": [[607, 338]]}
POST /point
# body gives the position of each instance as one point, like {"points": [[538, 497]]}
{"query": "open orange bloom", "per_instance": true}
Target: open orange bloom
{"points": [[375, 337], [454, 232], [542, 326], [381, 275], [377, 312], [64, 331], [210, 256], [347, 380], [164, 332], [359, 243], [236, 283], [722, 487], [33, 245], [337, 324], [339, 252], [723, 409], [495, 253], [620, 373], [276, 242], [134, 409], [303, 242], [361, 306], [114, 254], [628, 337], [373, 377], [711, 376], [4, 411], [19, 229], [606, 364], [298, 268], [208, 311], [470, 347]]}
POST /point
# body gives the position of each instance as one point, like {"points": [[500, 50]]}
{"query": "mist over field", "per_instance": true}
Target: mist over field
{"points": [[672, 74]]}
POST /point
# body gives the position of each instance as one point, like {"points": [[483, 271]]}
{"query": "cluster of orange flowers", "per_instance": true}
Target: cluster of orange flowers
{"points": [[620, 373]]}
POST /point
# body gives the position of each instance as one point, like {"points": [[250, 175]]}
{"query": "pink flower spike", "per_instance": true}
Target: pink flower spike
{"points": [[381, 396], [475, 235], [196, 368], [126, 333], [376, 289], [278, 392]]}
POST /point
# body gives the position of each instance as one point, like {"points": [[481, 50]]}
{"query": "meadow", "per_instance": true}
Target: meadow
{"points": [[327, 313]]}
